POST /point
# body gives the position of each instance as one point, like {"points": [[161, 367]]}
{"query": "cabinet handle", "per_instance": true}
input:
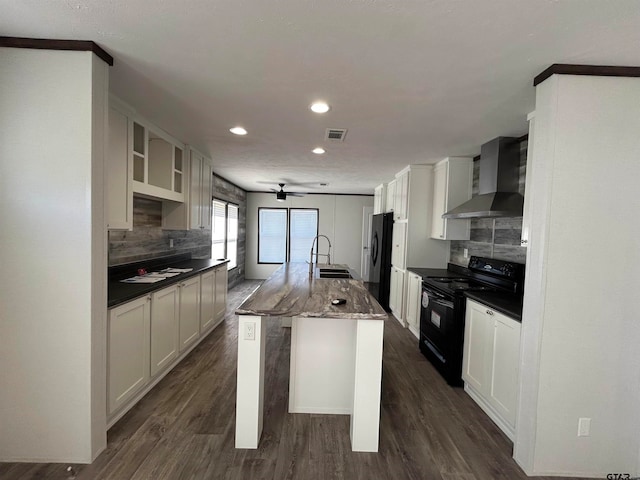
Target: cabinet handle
{"points": [[441, 236], [524, 242], [148, 298], [489, 312]]}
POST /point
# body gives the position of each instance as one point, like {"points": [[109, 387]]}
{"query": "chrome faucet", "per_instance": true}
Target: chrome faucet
{"points": [[328, 254]]}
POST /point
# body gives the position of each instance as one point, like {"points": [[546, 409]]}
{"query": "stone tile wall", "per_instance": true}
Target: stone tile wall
{"points": [[494, 240], [148, 239], [228, 192]]}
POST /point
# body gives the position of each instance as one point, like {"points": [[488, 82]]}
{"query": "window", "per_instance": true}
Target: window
{"points": [[286, 234], [224, 232]]}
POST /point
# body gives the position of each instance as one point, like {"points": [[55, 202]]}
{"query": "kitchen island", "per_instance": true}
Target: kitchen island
{"points": [[336, 352]]}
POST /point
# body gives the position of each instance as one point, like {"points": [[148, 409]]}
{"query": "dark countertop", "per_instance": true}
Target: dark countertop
{"points": [[452, 272], [290, 292], [508, 303], [119, 293]]}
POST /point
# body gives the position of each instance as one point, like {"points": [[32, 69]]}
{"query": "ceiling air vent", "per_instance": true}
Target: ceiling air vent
{"points": [[336, 134]]}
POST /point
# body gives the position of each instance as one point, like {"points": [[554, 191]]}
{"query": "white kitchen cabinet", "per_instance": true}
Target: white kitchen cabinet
{"points": [[390, 197], [399, 245], [200, 191], [128, 351], [207, 300], [379, 197], [189, 311], [411, 242], [221, 292], [526, 209], [414, 296], [401, 197], [158, 163], [490, 366], [396, 293], [119, 169], [453, 179], [165, 320], [195, 213]]}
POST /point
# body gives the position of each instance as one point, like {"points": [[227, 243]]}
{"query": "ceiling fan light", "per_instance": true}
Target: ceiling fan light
{"points": [[281, 196], [238, 131], [318, 150], [320, 107]]}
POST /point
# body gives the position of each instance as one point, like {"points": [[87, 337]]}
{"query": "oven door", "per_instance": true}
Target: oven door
{"points": [[436, 323]]}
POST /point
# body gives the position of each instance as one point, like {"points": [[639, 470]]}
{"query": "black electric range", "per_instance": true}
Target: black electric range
{"points": [[443, 308]]}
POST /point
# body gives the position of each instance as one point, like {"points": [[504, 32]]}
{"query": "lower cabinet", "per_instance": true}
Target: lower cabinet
{"points": [[149, 335], [414, 294], [189, 311], [396, 293], [207, 300], [490, 365], [165, 321], [128, 351], [221, 292]]}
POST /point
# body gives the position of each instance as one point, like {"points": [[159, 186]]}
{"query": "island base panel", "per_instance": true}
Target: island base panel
{"points": [[365, 419], [322, 366], [250, 381]]}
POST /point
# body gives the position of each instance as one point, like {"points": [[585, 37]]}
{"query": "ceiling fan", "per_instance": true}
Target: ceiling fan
{"points": [[281, 195]]}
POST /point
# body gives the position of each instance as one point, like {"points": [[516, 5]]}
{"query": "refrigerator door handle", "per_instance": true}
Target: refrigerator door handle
{"points": [[374, 249]]}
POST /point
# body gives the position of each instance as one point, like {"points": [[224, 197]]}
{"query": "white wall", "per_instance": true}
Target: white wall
{"points": [[581, 327], [340, 218], [53, 255]]}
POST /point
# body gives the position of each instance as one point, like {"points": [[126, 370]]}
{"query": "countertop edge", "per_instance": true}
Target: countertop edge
{"points": [[508, 307]]}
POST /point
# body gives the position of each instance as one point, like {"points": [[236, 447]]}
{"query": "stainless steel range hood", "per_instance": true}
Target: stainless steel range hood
{"points": [[498, 186]]}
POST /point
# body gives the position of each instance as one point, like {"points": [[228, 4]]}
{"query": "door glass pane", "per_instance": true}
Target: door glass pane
{"points": [[303, 229], [272, 235]]}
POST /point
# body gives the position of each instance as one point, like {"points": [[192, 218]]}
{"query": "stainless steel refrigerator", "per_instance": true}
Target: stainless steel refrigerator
{"points": [[380, 263]]}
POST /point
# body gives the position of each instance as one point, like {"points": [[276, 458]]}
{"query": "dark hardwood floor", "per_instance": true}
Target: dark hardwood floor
{"points": [[184, 428]]}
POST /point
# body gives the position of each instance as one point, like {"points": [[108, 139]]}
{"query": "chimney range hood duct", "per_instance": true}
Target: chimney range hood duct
{"points": [[498, 186]]}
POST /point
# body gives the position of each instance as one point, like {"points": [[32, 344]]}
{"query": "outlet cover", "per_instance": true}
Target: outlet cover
{"points": [[250, 331]]}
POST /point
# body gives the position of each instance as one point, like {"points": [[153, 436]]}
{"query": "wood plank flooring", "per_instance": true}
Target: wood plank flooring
{"points": [[184, 428]]}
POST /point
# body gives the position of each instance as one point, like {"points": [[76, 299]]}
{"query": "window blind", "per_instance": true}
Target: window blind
{"points": [[272, 235], [303, 229]]}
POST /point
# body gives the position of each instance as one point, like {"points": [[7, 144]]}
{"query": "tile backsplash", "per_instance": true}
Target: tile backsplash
{"points": [[148, 239], [494, 240]]}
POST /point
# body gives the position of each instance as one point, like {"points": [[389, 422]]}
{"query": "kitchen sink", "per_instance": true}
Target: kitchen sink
{"points": [[334, 274], [333, 270]]}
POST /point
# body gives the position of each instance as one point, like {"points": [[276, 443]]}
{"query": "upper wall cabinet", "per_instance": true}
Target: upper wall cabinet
{"points": [[200, 191], [158, 163], [195, 213], [401, 196], [397, 196], [453, 178], [119, 167], [379, 197], [390, 197]]}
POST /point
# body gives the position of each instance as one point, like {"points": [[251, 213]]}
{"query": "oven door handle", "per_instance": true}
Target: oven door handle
{"points": [[442, 303]]}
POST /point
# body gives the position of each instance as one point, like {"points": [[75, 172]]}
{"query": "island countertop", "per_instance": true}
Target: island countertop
{"points": [[289, 292]]}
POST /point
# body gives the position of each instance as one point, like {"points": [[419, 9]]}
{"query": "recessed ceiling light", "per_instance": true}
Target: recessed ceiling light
{"points": [[319, 107], [318, 150], [238, 131]]}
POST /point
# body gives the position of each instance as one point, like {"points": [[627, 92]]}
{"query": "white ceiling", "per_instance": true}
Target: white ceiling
{"points": [[414, 81]]}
